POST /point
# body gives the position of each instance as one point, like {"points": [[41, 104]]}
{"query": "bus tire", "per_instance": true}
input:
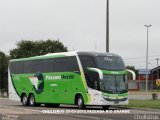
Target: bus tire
{"points": [[105, 107], [32, 100], [24, 99], [80, 102]]}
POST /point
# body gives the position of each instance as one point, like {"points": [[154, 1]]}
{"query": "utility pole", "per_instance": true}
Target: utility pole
{"points": [[152, 74], [107, 26], [147, 26], [157, 68]]}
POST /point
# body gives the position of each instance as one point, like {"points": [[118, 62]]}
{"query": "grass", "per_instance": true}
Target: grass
{"points": [[156, 90], [154, 104]]}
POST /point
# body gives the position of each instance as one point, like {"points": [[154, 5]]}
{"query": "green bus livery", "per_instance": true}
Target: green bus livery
{"points": [[80, 78]]}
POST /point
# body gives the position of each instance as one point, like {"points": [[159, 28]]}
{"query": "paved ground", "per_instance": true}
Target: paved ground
{"points": [[15, 111]]}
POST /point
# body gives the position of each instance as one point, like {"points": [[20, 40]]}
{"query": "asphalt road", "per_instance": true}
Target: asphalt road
{"points": [[12, 110]]}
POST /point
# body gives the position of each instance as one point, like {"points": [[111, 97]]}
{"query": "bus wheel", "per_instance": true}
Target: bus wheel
{"points": [[24, 100], [32, 100], [80, 102], [105, 107]]}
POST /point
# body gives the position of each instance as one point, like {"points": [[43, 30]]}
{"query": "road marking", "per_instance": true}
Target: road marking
{"points": [[78, 116], [21, 108]]}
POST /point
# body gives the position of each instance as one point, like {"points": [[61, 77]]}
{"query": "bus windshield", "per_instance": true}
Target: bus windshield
{"points": [[114, 83], [110, 62]]}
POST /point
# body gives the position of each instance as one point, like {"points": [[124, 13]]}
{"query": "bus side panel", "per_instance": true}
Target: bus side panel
{"points": [[61, 87], [69, 87], [61, 90], [51, 89], [22, 84]]}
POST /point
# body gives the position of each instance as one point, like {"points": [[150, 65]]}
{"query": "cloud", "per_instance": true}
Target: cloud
{"points": [[80, 24]]}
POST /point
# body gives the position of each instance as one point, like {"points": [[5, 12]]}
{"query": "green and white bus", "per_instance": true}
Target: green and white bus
{"points": [[80, 78]]}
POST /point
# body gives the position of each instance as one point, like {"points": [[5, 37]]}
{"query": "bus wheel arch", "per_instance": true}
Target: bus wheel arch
{"points": [[24, 99], [79, 101]]}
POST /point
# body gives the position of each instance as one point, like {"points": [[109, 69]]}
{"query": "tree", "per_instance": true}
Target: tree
{"points": [[28, 48], [3, 71]]}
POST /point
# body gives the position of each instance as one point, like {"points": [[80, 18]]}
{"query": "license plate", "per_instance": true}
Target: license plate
{"points": [[116, 102]]}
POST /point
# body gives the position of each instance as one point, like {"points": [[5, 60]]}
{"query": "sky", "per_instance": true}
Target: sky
{"points": [[81, 25]]}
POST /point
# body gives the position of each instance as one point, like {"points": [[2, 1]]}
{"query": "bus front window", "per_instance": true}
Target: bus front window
{"points": [[110, 63], [114, 83]]}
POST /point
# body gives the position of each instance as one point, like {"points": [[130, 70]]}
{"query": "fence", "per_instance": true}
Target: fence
{"points": [[140, 85]]}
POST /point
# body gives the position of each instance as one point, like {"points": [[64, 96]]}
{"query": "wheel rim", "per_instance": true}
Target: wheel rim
{"points": [[31, 100], [24, 100], [79, 102]]}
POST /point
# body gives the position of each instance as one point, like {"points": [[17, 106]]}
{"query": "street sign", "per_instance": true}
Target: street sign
{"points": [[158, 82]]}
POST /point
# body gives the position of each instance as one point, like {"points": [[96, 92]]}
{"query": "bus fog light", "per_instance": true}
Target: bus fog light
{"points": [[105, 97]]}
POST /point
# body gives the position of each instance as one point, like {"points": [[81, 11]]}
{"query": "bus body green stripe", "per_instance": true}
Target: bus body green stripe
{"points": [[114, 72], [37, 58], [111, 72]]}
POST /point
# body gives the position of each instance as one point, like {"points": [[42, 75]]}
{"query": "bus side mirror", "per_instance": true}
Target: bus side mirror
{"points": [[133, 73], [100, 73]]}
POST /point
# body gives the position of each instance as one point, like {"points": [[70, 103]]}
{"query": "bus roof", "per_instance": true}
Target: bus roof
{"points": [[63, 54], [96, 54], [49, 55]]}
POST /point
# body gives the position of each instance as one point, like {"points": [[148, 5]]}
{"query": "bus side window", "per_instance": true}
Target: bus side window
{"points": [[36, 66], [27, 67], [17, 67], [48, 65], [72, 64], [59, 65], [11, 67], [92, 79], [88, 61]]}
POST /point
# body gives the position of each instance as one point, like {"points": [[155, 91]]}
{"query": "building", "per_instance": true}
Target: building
{"points": [[140, 82], [155, 72]]}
